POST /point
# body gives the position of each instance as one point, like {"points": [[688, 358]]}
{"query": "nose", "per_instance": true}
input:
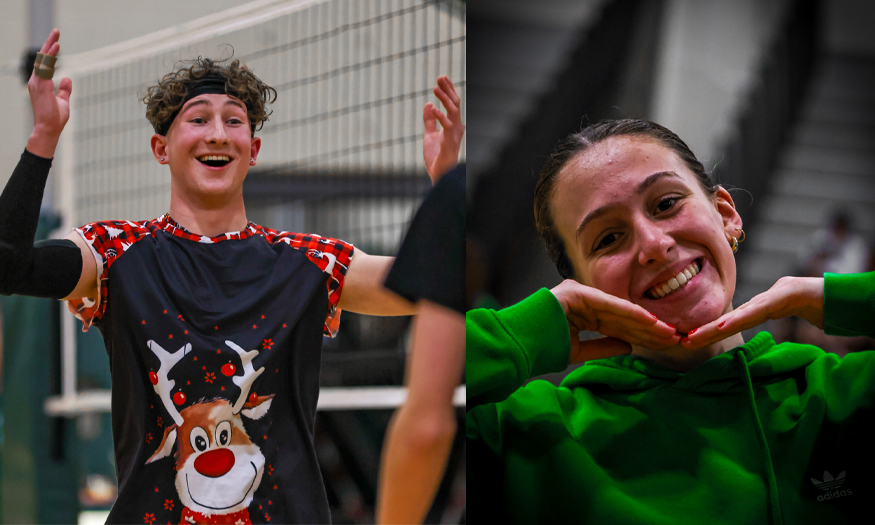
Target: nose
{"points": [[216, 133], [214, 463], [654, 243]]}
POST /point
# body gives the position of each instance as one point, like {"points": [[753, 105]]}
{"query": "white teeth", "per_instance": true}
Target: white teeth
{"points": [[215, 157], [676, 282]]}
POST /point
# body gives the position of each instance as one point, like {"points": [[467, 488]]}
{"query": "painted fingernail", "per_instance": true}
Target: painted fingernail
{"points": [[685, 339], [692, 331], [671, 326], [721, 324], [654, 317]]}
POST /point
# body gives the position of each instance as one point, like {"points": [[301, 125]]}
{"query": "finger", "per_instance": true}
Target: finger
{"points": [[54, 50], [647, 333], [450, 89], [729, 324], [444, 120], [64, 89], [605, 303], [648, 339], [601, 348], [51, 40], [446, 100], [641, 337], [429, 119]]}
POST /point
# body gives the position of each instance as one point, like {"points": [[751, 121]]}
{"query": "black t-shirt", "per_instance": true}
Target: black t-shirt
{"points": [[215, 351], [431, 262]]}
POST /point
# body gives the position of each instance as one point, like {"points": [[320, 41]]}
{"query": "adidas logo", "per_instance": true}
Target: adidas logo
{"points": [[831, 485]]}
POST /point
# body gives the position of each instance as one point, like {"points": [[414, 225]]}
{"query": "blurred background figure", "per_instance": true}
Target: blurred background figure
{"points": [[838, 248], [774, 97]]}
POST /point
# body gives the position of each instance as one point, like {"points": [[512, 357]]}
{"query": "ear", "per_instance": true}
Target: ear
{"points": [[255, 148], [166, 445], [726, 208], [159, 147]]}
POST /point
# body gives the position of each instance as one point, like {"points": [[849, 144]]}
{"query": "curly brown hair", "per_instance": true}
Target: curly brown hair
{"points": [[164, 100]]}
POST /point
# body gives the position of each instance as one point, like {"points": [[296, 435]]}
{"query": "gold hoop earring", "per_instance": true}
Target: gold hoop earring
{"points": [[742, 234]]}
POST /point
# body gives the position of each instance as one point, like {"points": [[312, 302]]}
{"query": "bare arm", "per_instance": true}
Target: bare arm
{"points": [[363, 290], [421, 432], [87, 285]]}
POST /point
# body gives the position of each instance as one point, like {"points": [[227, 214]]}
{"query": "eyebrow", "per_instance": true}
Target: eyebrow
{"points": [[207, 102], [642, 187]]}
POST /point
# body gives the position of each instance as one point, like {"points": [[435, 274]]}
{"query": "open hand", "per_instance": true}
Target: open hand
{"points": [[623, 322], [799, 296], [440, 147], [50, 111]]}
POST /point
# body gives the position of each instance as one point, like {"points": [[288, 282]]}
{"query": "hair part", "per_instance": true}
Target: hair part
{"points": [[576, 144], [164, 100]]}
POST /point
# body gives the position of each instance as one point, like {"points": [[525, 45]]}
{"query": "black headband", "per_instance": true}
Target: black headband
{"points": [[209, 85]]}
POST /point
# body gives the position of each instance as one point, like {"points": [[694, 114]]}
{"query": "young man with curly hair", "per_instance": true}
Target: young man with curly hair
{"points": [[213, 324]]}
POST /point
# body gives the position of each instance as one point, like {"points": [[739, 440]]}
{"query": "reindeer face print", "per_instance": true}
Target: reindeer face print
{"points": [[218, 467]]}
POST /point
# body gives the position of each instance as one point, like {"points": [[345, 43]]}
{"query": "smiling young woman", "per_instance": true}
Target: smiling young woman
{"points": [[674, 418]]}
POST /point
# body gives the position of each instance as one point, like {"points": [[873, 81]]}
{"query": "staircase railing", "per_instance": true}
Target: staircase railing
{"points": [[752, 147]]}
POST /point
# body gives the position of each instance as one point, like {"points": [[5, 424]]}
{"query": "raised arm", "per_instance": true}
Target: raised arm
{"points": [[50, 111], [53, 268], [539, 335]]}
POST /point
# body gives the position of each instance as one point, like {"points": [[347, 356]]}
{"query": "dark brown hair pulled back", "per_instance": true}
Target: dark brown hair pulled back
{"points": [[575, 144]]}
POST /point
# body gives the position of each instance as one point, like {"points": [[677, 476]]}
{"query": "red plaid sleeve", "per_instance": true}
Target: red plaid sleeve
{"points": [[332, 256], [107, 240]]}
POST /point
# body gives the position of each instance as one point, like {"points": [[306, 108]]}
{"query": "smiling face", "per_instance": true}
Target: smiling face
{"points": [[208, 148], [633, 218]]}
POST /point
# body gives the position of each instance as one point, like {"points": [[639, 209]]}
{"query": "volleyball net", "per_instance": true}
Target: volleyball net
{"points": [[341, 153]]}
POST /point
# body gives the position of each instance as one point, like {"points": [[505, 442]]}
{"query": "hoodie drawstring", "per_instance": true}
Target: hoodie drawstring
{"points": [[764, 446]]}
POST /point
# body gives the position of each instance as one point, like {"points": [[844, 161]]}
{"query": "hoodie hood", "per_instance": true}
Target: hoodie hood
{"points": [[733, 370], [718, 374]]}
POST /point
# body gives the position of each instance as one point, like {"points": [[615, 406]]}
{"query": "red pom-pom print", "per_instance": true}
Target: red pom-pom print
{"points": [[153, 377], [253, 397], [228, 369], [179, 398]]}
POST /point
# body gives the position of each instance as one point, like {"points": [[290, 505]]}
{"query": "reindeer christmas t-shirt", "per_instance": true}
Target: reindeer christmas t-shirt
{"points": [[215, 349]]}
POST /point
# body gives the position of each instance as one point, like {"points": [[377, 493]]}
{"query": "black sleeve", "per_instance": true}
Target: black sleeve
{"points": [[47, 268], [431, 262]]}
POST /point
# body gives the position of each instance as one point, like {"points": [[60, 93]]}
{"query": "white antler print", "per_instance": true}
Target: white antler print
{"points": [[163, 386], [249, 375]]}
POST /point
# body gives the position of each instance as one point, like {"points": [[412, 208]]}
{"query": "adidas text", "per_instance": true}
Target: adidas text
{"points": [[834, 494]]}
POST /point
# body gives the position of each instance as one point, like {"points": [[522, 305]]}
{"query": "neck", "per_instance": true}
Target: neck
{"points": [[681, 359], [205, 219]]}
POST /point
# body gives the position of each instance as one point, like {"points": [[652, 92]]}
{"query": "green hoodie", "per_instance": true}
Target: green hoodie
{"points": [[762, 433]]}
